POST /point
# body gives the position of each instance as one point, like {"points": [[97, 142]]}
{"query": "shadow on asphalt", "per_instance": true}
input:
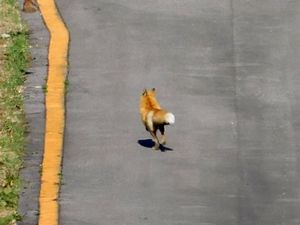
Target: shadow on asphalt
{"points": [[148, 143]]}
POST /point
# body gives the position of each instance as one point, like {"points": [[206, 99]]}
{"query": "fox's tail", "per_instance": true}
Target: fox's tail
{"points": [[170, 118], [158, 117]]}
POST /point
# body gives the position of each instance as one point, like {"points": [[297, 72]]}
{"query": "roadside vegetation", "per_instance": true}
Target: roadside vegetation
{"points": [[14, 52]]}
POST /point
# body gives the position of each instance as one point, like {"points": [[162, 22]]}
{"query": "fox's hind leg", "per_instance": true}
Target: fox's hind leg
{"points": [[155, 139], [163, 140], [152, 128]]}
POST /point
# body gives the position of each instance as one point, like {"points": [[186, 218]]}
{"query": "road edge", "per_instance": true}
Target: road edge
{"points": [[34, 109]]}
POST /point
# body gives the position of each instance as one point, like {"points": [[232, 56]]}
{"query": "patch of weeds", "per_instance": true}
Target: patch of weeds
{"points": [[10, 219], [14, 50], [45, 88], [10, 18], [67, 84]]}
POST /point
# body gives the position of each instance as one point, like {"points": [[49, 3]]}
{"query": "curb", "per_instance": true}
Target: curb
{"points": [[55, 113]]}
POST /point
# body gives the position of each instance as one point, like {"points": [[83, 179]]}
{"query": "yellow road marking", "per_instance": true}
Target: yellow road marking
{"points": [[55, 112]]}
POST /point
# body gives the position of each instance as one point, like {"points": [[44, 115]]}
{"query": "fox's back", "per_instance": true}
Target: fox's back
{"points": [[148, 103]]}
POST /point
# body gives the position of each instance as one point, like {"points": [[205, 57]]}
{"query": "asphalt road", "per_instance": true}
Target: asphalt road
{"points": [[228, 70]]}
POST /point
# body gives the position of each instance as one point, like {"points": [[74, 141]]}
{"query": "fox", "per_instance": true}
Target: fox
{"points": [[30, 6], [154, 117]]}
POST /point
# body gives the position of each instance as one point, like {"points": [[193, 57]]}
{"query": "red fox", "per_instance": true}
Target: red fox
{"points": [[154, 117], [30, 6]]}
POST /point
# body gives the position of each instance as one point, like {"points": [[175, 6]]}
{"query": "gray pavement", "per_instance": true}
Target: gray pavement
{"points": [[228, 70], [35, 118]]}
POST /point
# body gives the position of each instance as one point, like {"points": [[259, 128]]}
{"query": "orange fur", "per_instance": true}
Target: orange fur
{"points": [[30, 6], [153, 116]]}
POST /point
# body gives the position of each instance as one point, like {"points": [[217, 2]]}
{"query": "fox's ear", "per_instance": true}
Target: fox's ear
{"points": [[144, 92], [153, 89]]}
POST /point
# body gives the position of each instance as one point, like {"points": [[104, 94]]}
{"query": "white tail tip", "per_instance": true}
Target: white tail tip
{"points": [[170, 118]]}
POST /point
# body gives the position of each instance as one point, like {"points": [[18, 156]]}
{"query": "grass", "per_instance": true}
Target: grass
{"points": [[14, 52], [67, 84]]}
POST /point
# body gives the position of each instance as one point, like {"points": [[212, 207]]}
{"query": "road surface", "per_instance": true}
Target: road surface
{"points": [[228, 70]]}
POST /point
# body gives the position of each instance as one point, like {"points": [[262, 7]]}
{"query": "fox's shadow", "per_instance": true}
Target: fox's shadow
{"points": [[149, 143]]}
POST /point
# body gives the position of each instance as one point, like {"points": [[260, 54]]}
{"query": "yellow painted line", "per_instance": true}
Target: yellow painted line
{"points": [[55, 112]]}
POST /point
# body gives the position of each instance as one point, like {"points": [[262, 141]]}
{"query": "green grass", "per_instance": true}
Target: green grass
{"points": [[45, 88], [67, 84], [13, 62]]}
